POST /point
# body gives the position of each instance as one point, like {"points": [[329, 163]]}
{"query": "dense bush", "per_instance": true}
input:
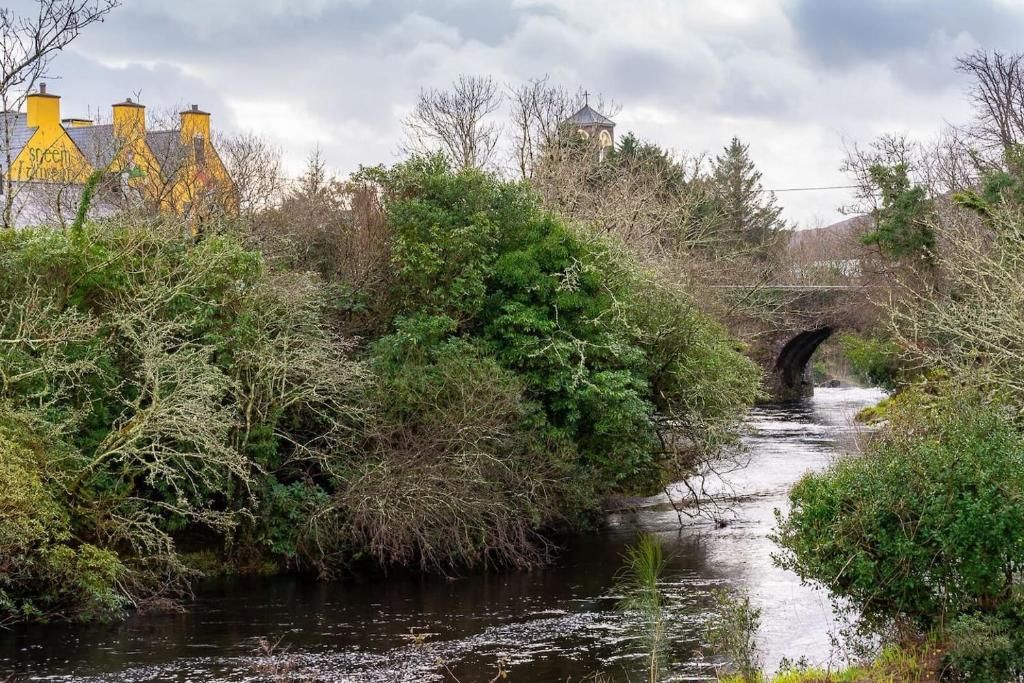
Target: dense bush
{"points": [[988, 647], [456, 471], [44, 571], [926, 528], [613, 358], [172, 385], [164, 396], [927, 524], [873, 360]]}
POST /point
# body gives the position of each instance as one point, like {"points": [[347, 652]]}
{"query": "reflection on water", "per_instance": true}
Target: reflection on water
{"points": [[554, 624]]}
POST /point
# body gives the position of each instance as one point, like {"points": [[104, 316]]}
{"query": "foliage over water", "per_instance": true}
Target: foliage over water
{"points": [[166, 397]]}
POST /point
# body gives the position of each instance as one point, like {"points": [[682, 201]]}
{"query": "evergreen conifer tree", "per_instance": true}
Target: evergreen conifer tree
{"points": [[748, 216]]}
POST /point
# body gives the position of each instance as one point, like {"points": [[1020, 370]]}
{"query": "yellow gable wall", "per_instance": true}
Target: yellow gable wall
{"points": [[133, 151], [50, 155], [202, 188]]}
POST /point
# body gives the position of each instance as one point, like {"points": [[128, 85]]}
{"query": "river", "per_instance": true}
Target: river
{"points": [[559, 623]]}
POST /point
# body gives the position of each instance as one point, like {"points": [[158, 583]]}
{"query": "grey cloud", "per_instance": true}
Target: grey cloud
{"points": [[845, 32], [348, 67], [244, 30], [88, 89], [636, 72], [343, 56]]}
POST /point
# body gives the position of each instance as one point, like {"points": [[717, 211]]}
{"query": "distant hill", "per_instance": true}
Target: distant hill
{"points": [[844, 233], [837, 242]]}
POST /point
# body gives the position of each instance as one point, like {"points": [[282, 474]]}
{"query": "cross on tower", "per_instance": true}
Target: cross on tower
{"points": [[586, 98]]}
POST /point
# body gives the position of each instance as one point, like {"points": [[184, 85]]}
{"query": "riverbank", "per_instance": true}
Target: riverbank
{"points": [[912, 664], [547, 624], [256, 400]]}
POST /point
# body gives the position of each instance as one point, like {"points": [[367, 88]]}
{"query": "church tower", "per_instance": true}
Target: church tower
{"points": [[594, 125]]}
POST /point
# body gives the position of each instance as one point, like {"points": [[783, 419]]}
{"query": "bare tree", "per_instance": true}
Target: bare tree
{"points": [[337, 228], [643, 196], [972, 319], [457, 122], [885, 150], [28, 44], [255, 167], [541, 126], [998, 96], [539, 112], [950, 163]]}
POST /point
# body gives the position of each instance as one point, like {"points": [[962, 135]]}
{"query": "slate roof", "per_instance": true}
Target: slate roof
{"points": [[96, 142], [167, 148], [20, 134], [587, 116], [98, 145]]}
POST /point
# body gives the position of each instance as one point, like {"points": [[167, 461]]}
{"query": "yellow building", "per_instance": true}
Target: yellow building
{"points": [[175, 170]]}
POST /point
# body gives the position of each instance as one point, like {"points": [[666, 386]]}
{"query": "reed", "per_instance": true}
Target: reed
{"points": [[638, 582]]}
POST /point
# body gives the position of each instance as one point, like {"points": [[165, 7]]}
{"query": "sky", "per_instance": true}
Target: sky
{"points": [[795, 79]]}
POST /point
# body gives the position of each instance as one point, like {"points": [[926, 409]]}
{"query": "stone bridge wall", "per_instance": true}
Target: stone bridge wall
{"points": [[788, 375]]}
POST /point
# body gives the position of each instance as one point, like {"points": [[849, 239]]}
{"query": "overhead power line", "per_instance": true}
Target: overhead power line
{"points": [[811, 189]]}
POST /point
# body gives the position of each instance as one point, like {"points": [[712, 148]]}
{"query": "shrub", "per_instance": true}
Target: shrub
{"points": [[987, 647], [928, 525], [701, 385], [733, 634], [44, 574], [598, 347], [874, 361], [456, 472], [188, 383]]}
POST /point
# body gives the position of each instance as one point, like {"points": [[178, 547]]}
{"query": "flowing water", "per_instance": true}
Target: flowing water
{"points": [[559, 623]]}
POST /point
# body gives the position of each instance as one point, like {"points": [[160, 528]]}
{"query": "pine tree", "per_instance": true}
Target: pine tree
{"points": [[634, 153], [748, 216]]}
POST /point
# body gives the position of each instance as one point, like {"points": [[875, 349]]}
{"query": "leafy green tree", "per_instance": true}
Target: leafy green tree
{"points": [[631, 151], [546, 301], [481, 253], [999, 190]]}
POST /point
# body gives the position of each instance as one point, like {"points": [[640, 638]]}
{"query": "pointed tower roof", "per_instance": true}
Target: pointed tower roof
{"points": [[587, 116]]}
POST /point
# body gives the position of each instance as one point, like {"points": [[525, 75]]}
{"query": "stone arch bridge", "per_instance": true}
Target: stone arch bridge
{"points": [[783, 325], [788, 375]]}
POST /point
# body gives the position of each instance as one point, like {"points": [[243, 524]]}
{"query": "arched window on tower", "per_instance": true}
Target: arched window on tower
{"points": [[604, 143]]}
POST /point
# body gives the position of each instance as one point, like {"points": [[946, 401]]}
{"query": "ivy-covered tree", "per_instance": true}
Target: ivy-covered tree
{"points": [[902, 227], [1003, 187], [747, 215], [545, 301]]}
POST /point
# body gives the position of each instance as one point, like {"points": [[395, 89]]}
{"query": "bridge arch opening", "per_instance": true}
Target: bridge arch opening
{"points": [[792, 379]]}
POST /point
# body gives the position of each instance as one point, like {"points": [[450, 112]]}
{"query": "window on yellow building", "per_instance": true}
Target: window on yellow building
{"points": [[199, 145]]}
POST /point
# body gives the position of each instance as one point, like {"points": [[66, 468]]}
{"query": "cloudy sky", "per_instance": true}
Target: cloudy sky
{"points": [[793, 78]]}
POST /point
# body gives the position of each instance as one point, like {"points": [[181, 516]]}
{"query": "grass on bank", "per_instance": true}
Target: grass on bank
{"points": [[893, 665]]}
